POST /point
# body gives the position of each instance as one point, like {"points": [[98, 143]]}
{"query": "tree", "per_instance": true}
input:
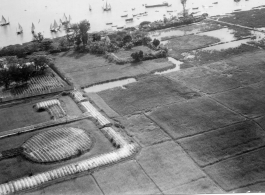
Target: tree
{"points": [[41, 62], [84, 26], [184, 2], [127, 39], [5, 77], [156, 42], [137, 56], [38, 37]]}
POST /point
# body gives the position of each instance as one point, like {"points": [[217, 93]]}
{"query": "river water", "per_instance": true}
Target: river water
{"points": [[43, 12]]}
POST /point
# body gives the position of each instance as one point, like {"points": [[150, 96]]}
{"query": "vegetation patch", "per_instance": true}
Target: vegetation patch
{"points": [[252, 18], [224, 143], [182, 44], [200, 57], [193, 117], [146, 94]]}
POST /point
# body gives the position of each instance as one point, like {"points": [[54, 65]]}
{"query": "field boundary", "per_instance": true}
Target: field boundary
{"points": [[65, 120]]}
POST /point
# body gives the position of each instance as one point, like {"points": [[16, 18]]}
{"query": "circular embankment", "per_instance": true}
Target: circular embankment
{"points": [[57, 145]]}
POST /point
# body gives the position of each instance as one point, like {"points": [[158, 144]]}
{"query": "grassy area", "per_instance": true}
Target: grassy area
{"points": [[127, 53], [17, 167], [86, 69], [185, 30], [186, 43], [207, 56], [252, 18], [22, 115], [146, 94]]}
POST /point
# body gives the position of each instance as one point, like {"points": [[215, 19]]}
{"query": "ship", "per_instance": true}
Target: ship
{"points": [[158, 5]]}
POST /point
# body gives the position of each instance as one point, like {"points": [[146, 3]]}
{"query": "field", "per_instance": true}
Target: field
{"points": [[19, 166], [90, 69], [185, 30], [146, 94], [49, 82], [127, 53], [187, 43], [21, 115], [252, 18]]}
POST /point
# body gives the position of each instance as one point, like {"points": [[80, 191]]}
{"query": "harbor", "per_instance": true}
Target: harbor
{"points": [[44, 12]]}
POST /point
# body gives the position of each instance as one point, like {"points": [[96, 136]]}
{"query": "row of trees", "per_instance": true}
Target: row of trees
{"points": [[20, 71]]}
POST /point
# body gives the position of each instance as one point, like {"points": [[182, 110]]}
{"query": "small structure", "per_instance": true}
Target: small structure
{"points": [[53, 107]]}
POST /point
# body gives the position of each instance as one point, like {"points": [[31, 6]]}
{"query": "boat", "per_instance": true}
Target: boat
{"points": [[32, 28], [133, 9], [4, 22], [20, 29], [121, 27], [135, 15], [109, 23], [114, 26], [64, 20], [90, 7], [54, 27], [215, 3], [169, 11], [124, 15], [156, 11], [129, 20], [195, 8], [107, 7], [157, 5]]}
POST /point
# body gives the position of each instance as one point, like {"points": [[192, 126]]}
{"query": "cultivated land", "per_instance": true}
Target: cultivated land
{"points": [[201, 129]]}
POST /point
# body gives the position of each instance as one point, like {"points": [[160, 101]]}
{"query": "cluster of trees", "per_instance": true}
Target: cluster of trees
{"points": [[20, 71]]}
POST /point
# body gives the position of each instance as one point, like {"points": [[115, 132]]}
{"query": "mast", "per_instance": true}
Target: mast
{"points": [[20, 27], [32, 27], [3, 19], [55, 25], [64, 18]]}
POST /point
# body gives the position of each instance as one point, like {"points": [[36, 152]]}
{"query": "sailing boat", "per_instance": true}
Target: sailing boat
{"points": [[107, 7], [90, 7], [32, 28], [54, 27], [4, 22], [20, 29], [64, 20]]}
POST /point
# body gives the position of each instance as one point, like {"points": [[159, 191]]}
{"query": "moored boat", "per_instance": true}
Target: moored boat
{"points": [[129, 20], [90, 9], [124, 15], [109, 23], [158, 5]]}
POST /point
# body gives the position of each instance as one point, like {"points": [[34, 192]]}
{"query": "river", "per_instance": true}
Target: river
{"points": [[43, 12]]}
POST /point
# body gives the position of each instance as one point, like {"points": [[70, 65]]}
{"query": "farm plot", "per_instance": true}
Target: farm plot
{"points": [[179, 45], [20, 166], [192, 117], [23, 115], [170, 33], [146, 94], [127, 53], [36, 85]]}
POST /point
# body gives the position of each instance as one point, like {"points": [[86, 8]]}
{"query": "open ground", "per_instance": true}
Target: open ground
{"points": [[201, 129]]}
